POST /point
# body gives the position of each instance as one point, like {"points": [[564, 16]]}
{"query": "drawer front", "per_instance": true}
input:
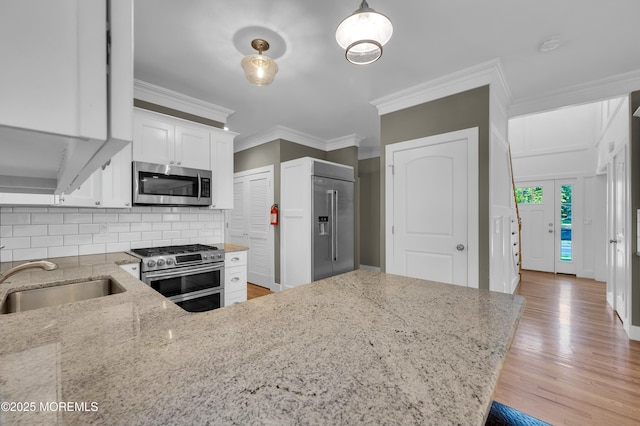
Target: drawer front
{"points": [[235, 258], [132, 268], [235, 297], [236, 279]]}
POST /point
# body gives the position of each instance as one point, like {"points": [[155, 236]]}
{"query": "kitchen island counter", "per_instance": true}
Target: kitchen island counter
{"points": [[358, 348]]}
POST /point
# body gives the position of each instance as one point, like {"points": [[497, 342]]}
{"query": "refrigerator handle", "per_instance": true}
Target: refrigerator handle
{"points": [[330, 193]]}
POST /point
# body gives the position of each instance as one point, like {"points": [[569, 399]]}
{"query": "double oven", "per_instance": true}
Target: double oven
{"points": [[191, 276]]}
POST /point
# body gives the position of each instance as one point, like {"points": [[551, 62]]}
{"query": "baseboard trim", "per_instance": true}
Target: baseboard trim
{"points": [[370, 268], [634, 332]]}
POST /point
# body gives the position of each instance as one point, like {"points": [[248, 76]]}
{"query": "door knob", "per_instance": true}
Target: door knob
{"points": [[550, 231], [613, 241], [460, 247]]}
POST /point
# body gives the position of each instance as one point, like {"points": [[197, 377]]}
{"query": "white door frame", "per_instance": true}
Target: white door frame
{"points": [[271, 236], [471, 135]]}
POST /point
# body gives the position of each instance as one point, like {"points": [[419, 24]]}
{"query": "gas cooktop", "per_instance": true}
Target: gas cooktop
{"points": [[169, 257]]}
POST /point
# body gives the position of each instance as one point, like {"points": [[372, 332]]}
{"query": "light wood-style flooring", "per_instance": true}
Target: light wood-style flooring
{"points": [[254, 291], [571, 362]]}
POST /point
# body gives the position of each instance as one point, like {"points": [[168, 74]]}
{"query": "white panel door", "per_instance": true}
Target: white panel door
{"points": [[619, 240], [430, 212], [248, 224], [537, 214]]}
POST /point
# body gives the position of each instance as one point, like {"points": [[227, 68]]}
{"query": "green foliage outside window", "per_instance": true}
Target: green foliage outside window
{"points": [[529, 195]]}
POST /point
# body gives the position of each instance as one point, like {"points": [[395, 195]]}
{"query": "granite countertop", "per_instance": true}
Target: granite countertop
{"points": [[359, 348], [230, 248]]}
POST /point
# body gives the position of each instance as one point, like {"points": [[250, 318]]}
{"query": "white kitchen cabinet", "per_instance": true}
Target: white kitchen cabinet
{"points": [[132, 268], [109, 186], [222, 168], [235, 277], [162, 139], [58, 123]]}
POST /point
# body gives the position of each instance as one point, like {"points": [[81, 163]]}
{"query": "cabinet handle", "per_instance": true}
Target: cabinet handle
{"points": [[235, 279], [235, 259], [171, 162], [97, 203], [134, 268], [126, 204], [179, 162]]}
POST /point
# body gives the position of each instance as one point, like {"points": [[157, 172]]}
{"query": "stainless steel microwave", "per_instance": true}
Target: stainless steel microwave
{"points": [[162, 184]]}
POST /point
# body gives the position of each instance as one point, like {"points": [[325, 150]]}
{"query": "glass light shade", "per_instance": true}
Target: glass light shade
{"points": [[363, 34], [259, 69]]}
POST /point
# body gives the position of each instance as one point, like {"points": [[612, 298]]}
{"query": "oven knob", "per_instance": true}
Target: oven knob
{"points": [[169, 261], [205, 256], [151, 263], [219, 256], [160, 262]]}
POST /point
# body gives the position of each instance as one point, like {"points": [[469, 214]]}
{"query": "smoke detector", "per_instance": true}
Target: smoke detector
{"points": [[550, 44]]}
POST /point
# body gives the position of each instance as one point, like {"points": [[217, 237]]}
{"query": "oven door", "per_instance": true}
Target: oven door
{"points": [[200, 301], [182, 281]]}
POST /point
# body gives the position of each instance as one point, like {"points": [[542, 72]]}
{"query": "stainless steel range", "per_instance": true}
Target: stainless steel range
{"points": [[191, 276]]}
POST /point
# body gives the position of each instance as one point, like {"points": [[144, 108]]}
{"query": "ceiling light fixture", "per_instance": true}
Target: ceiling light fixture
{"points": [[363, 34], [259, 69]]}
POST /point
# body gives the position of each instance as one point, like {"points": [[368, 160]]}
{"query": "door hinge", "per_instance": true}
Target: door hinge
{"points": [[393, 229]]}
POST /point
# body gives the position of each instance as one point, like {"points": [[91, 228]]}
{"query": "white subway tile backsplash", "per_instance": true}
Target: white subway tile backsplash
{"points": [[169, 235], [88, 228], [13, 243], [92, 249], [129, 236], [71, 228], [46, 218], [151, 217], [151, 235], [6, 231], [77, 217], [105, 217], [29, 230], [63, 251], [16, 218], [142, 226], [41, 232], [161, 226], [54, 240], [30, 253], [170, 217], [111, 247], [76, 240]]}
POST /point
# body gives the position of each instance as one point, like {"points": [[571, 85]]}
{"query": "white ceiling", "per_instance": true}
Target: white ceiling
{"points": [[190, 46]]}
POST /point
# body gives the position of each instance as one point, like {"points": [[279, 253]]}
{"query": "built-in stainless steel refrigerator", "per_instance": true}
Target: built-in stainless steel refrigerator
{"points": [[332, 219], [317, 231]]}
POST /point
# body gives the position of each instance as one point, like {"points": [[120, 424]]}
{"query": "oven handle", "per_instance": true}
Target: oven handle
{"points": [[182, 272], [199, 186]]}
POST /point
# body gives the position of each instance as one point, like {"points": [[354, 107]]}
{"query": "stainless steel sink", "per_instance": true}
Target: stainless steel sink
{"points": [[54, 295]]}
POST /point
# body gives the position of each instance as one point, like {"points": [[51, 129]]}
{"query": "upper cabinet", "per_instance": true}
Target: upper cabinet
{"points": [[162, 139], [67, 91]]}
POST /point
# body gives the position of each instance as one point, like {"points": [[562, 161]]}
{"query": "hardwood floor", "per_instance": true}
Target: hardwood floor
{"points": [[571, 362], [254, 291]]}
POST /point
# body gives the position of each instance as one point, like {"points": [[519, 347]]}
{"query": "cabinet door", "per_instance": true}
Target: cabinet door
{"points": [[153, 140], [222, 168], [54, 73], [89, 194], [116, 180], [192, 148]]}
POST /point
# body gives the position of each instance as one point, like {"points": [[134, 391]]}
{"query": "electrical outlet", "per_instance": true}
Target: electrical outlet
{"points": [[104, 229]]}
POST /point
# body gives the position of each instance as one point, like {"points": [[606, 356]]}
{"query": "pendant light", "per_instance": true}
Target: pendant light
{"points": [[259, 69], [363, 34]]}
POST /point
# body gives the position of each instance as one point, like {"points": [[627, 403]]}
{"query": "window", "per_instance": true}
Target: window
{"points": [[529, 195], [566, 219]]}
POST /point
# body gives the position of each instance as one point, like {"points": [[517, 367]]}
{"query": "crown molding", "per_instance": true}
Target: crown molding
{"points": [[489, 72], [170, 99], [367, 152], [291, 135], [597, 90], [344, 142]]}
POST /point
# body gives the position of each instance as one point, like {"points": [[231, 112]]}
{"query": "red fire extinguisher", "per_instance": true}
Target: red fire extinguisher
{"points": [[274, 214]]}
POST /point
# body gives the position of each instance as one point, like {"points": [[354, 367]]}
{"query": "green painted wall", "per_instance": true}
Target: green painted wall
{"points": [[176, 113], [369, 173], [456, 112], [278, 151]]}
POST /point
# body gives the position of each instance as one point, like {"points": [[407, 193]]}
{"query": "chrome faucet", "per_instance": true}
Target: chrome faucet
{"points": [[42, 264]]}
